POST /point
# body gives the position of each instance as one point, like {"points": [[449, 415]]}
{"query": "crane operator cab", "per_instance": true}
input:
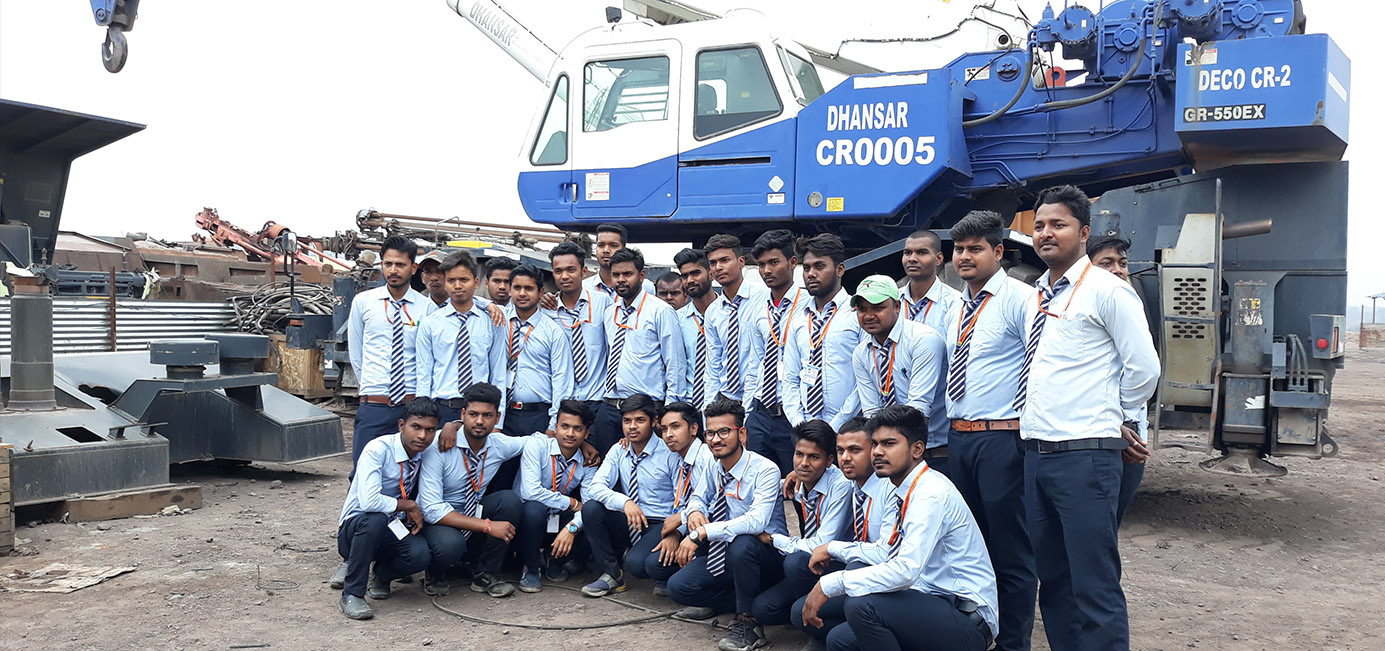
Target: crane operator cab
{"points": [[642, 120]]}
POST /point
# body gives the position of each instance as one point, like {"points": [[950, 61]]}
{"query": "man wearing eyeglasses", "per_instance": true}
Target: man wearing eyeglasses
{"points": [[731, 506]]}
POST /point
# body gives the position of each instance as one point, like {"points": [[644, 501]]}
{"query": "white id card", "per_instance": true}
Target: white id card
{"points": [[553, 523], [398, 528], [810, 374], [478, 515]]}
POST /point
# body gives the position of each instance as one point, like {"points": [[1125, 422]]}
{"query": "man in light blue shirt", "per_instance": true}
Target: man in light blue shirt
{"points": [[819, 381], [581, 312], [777, 322], [730, 508], [456, 505], [458, 344], [645, 347], [632, 494], [380, 340], [538, 359], [682, 433], [1089, 364], [368, 531], [731, 319], [927, 299], [985, 353], [935, 587], [609, 239], [824, 502], [553, 481], [900, 362], [702, 358]]}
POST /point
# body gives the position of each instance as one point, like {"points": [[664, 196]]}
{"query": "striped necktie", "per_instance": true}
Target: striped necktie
{"points": [[700, 362], [635, 489], [957, 371], [470, 493], [919, 309], [769, 372], [811, 521], [609, 290], [517, 328], [716, 552], [816, 403], [397, 386], [579, 345], [858, 518], [884, 377], [684, 488], [733, 346], [897, 538], [1032, 345], [464, 377], [617, 347], [408, 472]]}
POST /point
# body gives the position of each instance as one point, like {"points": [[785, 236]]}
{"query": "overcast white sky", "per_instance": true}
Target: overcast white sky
{"points": [[306, 112]]}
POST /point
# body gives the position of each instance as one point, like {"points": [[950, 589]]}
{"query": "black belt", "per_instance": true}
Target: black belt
{"points": [[528, 406], [776, 410], [939, 452], [969, 608], [613, 402], [454, 403], [1099, 443]]}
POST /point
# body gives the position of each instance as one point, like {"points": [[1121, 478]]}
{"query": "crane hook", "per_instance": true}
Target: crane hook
{"points": [[115, 49]]}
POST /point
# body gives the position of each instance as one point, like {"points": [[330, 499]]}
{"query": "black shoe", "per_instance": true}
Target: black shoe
{"points": [[378, 588], [745, 635], [436, 586], [488, 583], [338, 579], [355, 607]]}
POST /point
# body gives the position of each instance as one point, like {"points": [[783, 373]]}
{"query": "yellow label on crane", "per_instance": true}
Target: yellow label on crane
{"points": [[469, 244]]}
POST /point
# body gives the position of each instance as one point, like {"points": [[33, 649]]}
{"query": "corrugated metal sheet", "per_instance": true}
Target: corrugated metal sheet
{"points": [[83, 325]]}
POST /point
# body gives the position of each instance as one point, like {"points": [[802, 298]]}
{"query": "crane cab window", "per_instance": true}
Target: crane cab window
{"points": [[550, 147], [622, 91], [804, 77], [733, 90]]}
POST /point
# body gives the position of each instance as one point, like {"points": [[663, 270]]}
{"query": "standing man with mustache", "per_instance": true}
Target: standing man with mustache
{"points": [[703, 356], [819, 381], [985, 354], [777, 321], [609, 239], [927, 299], [1089, 366], [732, 317]]}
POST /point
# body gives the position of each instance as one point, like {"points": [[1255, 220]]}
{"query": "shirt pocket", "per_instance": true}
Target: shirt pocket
{"points": [[1071, 338]]}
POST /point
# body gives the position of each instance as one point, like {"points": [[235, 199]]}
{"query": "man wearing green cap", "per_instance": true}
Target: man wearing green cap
{"points": [[900, 362]]}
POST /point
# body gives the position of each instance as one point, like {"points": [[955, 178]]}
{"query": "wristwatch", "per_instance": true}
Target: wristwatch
{"points": [[572, 528], [693, 536]]}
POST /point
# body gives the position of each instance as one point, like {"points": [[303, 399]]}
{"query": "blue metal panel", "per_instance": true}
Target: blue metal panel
{"points": [[867, 150], [547, 195], [733, 179], [649, 190]]}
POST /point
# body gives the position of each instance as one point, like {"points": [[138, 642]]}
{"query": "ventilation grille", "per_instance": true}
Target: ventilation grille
{"points": [[1189, 299]]}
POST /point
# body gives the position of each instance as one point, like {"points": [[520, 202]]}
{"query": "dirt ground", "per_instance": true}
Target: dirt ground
{"points": [[1210, 562]]}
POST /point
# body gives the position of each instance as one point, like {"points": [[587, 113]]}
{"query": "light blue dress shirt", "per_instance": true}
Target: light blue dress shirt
{"points": [[446, 476], [749, 297], [792, 321], [657, 473], [593, 283], [437, 355], [831, 500], [375, 488], [688, 317], [587, 316], [542, 459], [919, 363], [651, 360], [544, 372], [880, 513], [753, 502], [934, 309], [844, 334], [370, 338], [1095, 364], [996, 351], [941, 551]]}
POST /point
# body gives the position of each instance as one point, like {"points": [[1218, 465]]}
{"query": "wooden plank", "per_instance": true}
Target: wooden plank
{"points": [[148, 501], [300, 371]]}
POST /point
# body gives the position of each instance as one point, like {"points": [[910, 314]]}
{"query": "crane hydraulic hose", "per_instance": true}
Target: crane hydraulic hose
{"points": [[1134, 66], [1024, 82]]}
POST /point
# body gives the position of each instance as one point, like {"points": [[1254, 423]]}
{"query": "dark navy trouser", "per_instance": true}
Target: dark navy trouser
{"points": [[533, 537], [773, 606], [751, 567], [1071, 500], [1131, 476], [905, 619], [770, 437], [608, 533], [448, 546], [372, 420], [987, 468], [366, 539], [832, 613]]}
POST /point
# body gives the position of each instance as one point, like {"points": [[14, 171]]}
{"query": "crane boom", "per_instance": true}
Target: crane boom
{"points": [[512, 36]]}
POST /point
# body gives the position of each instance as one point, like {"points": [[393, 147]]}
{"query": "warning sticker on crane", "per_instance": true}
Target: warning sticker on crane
{"points": [[598, 186], [836, 204]]}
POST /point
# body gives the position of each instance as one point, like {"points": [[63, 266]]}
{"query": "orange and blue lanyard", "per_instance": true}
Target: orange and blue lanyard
{"points": [[788, 319], [620, 308], [571, 472], [886, 384], [476, 485], [1070, 294], [962, 334], [403, 307], [894, 535]]}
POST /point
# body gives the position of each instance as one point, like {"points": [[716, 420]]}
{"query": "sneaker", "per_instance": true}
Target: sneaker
{"points": [[745, 635], [605, 585], [338, 579], [661, 588], [556, 572], [695, 613], [355, 607], [435, 586], [378, 589], [492, 585], [529, 582]]}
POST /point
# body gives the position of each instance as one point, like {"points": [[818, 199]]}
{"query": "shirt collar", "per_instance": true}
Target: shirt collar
{"points": [[902, 490], [842, 299], [1072, 274], [896, 333], [694, 450], [824, 482], [993, 285], [475, 309], [397, 448], [555, 450], [738, 470], [650, 448]]}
